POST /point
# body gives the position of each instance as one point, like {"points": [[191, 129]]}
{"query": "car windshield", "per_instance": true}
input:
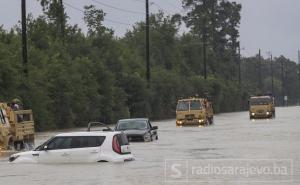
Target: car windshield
{"points": [[183, 106], [132, 125], [40, 147], [260, 101]]}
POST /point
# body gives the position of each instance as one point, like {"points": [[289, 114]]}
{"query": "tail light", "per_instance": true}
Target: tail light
{"points": [[116, 145]]}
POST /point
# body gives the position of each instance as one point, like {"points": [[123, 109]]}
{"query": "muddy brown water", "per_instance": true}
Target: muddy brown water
{"points": [[232, 137]]}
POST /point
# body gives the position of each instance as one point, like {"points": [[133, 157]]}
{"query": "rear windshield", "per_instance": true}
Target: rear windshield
{"points": [[122, 139], [260, 101]]}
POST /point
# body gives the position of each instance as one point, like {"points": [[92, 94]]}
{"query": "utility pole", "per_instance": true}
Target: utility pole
{"points": [[259, 68], [272, 75], [147, 45], [204, 38], [282, 82], [240, 79], [298, 72], [62, 20], [24, 37], [204, 56]]}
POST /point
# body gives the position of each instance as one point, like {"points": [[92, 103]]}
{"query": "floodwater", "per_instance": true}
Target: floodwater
{"points": [[232, 138]]}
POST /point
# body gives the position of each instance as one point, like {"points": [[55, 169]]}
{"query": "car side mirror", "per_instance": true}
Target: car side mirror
{"points": [[45, 147], [154, 128]]}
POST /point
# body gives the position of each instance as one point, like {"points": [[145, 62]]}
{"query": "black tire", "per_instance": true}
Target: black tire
{"points": [[211, 120], [19, 145], [156, 137], [10, 145]]}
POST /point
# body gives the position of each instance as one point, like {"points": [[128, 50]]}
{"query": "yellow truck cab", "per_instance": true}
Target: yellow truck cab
{"points": [[194, 111], [16, 128], [261, 107]]}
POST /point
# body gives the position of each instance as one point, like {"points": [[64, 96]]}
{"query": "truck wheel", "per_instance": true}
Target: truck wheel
{"points": [[18, 145], [10, 145], [211, 120]]}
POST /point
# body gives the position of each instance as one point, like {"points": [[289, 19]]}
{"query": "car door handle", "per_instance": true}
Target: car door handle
{"points": [[65, 154], [94, 152]]}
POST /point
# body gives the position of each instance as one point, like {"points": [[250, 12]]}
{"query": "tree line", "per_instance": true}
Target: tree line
{"points": [[76, 77]]}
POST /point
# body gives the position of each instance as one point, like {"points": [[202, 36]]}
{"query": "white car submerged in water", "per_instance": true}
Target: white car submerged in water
{"points": [[79, 147]]}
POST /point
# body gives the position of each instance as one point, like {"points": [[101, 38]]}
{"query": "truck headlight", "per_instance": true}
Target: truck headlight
{"points": [[268, 113], [201, 120], [252, 113], [179, 122]]}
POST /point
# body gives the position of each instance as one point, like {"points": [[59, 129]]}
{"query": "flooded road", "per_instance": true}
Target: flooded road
{"points": [[232, 137]]}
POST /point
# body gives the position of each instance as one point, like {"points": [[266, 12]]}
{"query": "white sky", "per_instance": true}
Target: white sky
{"points": [[271, 25]]}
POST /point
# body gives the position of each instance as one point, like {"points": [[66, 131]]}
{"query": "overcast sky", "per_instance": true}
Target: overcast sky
{"points": [[272, 25]]}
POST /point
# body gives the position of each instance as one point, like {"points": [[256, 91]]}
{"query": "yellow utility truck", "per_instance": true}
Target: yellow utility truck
{"points": [[261, 107], [194, 111], [16, 127]]}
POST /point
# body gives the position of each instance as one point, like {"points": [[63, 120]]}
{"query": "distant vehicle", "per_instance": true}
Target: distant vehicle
{"points": [[138, 129], [261, 107], [79, 147], [16, 127], [194, 111]]}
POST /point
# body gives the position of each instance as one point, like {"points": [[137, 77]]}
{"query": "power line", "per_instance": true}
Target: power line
{"points": [[141, 1], [170, 4], [120, 9], [75, 8], [105, 19], [153, 3], [159, 7]]}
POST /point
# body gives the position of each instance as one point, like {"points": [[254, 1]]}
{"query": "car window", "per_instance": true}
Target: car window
{"points": [[41, 147], [60, 143], [2, 118], [87, 141]]}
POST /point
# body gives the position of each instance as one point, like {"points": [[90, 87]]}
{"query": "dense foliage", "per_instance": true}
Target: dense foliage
{"points": [[76, 77]]}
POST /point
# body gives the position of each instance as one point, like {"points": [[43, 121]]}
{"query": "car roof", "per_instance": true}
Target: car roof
{"points": [[98, 133], [135, 119]]}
